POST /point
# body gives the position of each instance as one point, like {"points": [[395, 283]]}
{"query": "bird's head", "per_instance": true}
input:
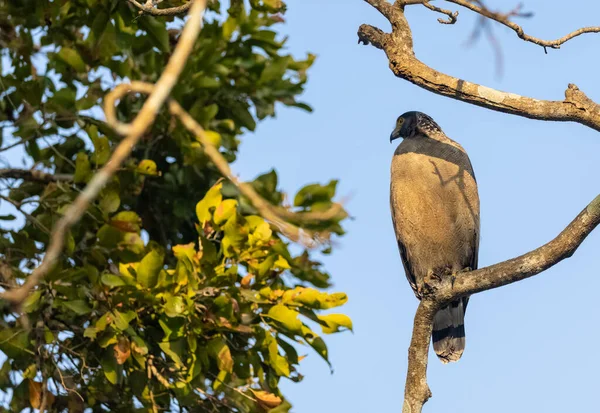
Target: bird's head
{"points": [[410, 123]]}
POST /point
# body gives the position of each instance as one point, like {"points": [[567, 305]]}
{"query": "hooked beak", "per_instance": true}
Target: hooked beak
{"points": [[395, 134]]}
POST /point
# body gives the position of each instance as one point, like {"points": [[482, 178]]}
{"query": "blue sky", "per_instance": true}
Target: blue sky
{"points": [[529, 345]]}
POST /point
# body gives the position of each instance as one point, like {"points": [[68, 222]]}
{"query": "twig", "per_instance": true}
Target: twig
{"points": [[504, 18], [451, 16], [134, 132], [28, 216], [172, 11], [33, 175]]}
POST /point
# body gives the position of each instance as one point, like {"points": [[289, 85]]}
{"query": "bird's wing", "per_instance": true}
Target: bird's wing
{"points": [[410, 276]]}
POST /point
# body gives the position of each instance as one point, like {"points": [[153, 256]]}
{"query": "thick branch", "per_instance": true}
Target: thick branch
{"points": [[532, 263], [416, 392], [134, 132], [33, 175], [576, 106]]}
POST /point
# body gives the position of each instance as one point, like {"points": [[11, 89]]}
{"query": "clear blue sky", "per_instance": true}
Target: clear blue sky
{"points": [[530, 346]]}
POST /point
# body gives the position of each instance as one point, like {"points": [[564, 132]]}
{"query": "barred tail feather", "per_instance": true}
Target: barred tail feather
{"points": [[449, 332]]}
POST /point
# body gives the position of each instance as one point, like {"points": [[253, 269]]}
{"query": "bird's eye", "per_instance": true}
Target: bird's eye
{"points": [[400, 121]]}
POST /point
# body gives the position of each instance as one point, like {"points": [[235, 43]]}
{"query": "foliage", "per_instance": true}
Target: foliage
{"points": [[172, 293]]}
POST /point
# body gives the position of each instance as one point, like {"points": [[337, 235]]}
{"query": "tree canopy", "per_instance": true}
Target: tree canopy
{"points": [[173, 291]]}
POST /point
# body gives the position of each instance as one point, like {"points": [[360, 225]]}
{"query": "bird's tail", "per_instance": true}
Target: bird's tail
{"points": [[449, 332]]}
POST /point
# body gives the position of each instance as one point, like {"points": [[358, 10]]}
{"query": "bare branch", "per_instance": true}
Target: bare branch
{"points": [[416, 391], [530, 264], [383, 7], [33, 175], [398, 46], [172, 11], [134, 132], [451, 15], [504, 18], [28, 216]]}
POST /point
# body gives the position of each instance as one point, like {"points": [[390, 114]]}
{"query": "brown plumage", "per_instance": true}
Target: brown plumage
{"points": [[435, 211]]}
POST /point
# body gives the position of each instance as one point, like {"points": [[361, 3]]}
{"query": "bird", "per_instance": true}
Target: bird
{"points": [[434, 205]]}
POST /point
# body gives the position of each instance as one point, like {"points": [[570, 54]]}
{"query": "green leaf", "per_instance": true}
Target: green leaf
{"points": [[110, 201], [335, 322], [32, 302], [72, 58], [112, 280], [221, 353], [275, 69], [314, 193], [157, 31], [121, 320], [149, 268], [79, 307], [174, 306], [316, 343], [102, 150], [229, 27], [9, 217], [110, 367], [174, 349], [14, 342], [286, 317], [83, 169]]}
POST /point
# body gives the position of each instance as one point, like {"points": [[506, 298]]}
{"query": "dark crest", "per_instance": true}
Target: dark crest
{"points": [[425, 124]]}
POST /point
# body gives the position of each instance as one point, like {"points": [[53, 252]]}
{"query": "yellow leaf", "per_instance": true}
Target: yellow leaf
{"points": [[266, 399], [247, 281], [335, 322], [282, 263], [286, 317], [212, 198], [213, 138], [148, 167], [225, 210]]}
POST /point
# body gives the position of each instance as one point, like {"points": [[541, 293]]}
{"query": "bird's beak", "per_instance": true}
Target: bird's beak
{"points": [[395, 134]]}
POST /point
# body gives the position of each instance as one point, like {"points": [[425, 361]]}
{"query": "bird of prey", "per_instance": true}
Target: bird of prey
{"points": [[435, 211]]}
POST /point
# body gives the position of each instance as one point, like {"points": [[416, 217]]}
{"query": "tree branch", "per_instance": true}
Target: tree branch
{"points": [[172, 11], [416, 391], [439, 292], [504, 18], [133, 133], [576, 107], [451, 15], [33, 175], [276, 215]]}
